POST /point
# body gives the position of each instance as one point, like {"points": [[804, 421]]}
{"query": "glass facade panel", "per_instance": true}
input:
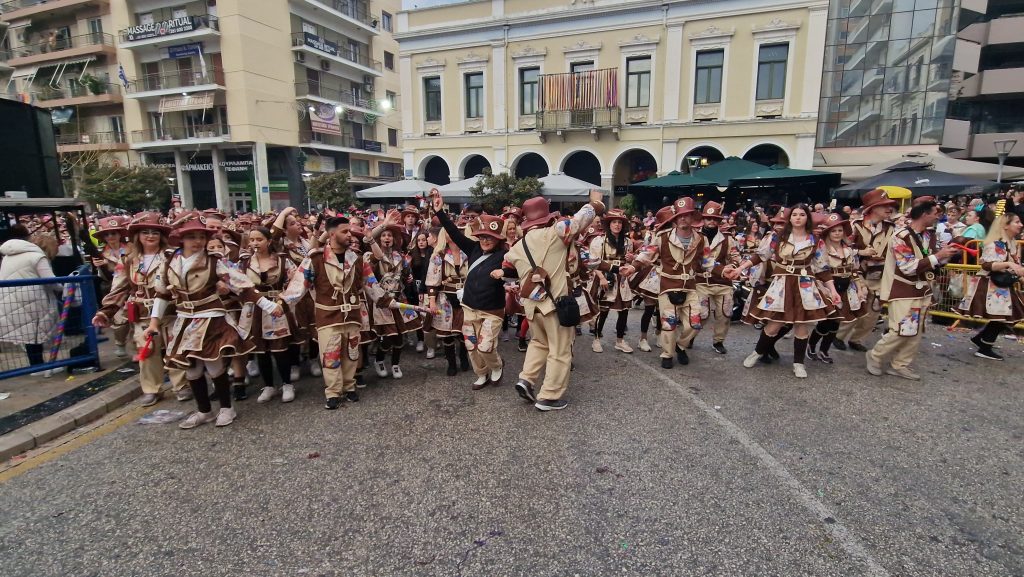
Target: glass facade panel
{"points": [[888, 71]]}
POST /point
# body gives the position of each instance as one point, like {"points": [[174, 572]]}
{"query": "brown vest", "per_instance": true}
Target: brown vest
{"points": [[197, 291], [899, 286], [678, 273], [337, 289]]}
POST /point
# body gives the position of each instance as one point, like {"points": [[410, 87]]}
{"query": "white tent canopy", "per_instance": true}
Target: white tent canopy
{"points": [[408, 188], [458, 191], [564, 187], [940, 162]]}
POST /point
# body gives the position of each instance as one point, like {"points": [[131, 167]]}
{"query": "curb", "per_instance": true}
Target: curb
{"points": [[49, 428]]}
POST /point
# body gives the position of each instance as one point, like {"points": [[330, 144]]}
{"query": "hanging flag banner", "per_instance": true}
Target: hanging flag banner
{"points": [[324, 119], [580, 90]]}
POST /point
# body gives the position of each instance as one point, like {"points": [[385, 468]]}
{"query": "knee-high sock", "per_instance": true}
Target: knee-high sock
{"points": [[799, 350]]}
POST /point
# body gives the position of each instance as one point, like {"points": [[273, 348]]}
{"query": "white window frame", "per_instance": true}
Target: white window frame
{"points": [[710, 39], [639, 46], [471, 64], [775, 32], [426, 69], [526, 59]]}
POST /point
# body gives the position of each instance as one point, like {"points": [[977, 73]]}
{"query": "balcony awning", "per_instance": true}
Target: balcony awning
{"points": [[61, 65], [197, 101]]}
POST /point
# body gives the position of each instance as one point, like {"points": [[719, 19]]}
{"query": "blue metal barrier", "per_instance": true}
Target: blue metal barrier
{"points": [[79, 349]]}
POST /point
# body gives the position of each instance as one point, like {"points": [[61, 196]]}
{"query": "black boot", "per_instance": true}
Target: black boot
{"points": [[449, 355], [238, 386], [464, 358]]}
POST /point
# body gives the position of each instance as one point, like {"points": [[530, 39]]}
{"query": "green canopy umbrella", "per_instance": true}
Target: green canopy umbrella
{"points": [[780, 175], [724, 171], [676, 179]]}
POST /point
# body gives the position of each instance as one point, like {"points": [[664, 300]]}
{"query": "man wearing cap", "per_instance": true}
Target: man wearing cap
{"points": [[676, 251], [911, 260], [545, 242], [871, 236], [721, 252]]}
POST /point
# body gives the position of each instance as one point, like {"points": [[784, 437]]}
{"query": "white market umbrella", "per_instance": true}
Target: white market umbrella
{"points": [[564, 187], [407, 188], [459, 191]]}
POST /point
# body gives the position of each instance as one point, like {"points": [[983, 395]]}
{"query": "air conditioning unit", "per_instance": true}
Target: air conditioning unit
{"points": [[325, 64], [368, 88], [368, 79], [300, 57]]}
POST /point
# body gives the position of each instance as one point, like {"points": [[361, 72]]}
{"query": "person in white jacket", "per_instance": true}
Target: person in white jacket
{"points": [[28, 314]]}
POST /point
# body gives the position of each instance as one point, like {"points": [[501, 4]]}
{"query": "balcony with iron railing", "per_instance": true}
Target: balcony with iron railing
{"points": [[311, 138], [79, 141], [78, 94], [61, 47], [186, 80], [166, 134], [586, 100], [193, 25], [349, 10], [336, 47], [343, 97], [19, 9]]}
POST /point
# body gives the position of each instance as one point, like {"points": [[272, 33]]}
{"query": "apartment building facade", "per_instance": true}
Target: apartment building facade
{"points": [[920, 76], [61, 56], [240, 100], [611, 92]]}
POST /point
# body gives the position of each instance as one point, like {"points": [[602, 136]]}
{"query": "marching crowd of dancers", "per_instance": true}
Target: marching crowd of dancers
{"points": [[232, 299]]}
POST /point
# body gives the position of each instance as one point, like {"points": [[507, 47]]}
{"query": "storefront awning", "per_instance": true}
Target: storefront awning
{"points": [[197, 101]]}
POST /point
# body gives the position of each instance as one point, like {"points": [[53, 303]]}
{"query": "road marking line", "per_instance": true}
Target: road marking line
{"points": [[850, 542], [73, 440]]}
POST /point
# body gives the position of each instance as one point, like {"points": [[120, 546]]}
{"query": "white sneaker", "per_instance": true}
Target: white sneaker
{"points": [[314, 368], [396, 371], [287, 393], [480, 381], [644, 346], [225, 417], [382, 371], [496, 374], [799, 371], [253, 368], [624, 347], [751, 360], [596, 347], [266, 394], [44, 374], [296, 373], [419, 346], [183, 395], [430, 353], [120, 351], [150, 399], [196, 419]]}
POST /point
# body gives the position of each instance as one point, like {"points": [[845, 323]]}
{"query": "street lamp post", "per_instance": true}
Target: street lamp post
{"points": [[306, 177], [1003, 149]]}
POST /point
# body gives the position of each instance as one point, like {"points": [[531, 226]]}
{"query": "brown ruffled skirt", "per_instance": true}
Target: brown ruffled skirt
{"points": [[793, 308], [218, 340], [978, 309]]}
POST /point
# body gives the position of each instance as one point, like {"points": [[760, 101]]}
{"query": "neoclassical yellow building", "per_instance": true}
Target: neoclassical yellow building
{"points": [[610, 91]]}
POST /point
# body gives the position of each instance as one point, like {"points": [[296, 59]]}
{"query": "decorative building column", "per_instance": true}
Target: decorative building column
{"points": [[184, 181], [220, 183], [262, 173]]}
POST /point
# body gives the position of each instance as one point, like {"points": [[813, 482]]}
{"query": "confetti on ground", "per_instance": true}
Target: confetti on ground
{"points": [[4, 396]]}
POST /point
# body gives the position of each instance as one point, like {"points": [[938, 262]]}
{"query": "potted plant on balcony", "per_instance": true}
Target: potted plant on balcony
{"points": [[95, 85]]}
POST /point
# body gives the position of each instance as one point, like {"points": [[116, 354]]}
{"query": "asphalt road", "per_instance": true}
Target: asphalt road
{"points": [[711, 469]]}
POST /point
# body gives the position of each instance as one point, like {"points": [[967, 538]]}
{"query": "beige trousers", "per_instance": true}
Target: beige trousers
{"points": [[719, 307], [151, 370], [334, 344], [861, 328], [677, 322], [550, 350], [907, 319], [484, 328]]}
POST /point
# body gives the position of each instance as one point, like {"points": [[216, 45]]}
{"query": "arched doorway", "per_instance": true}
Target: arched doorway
{"points": [[768, 155], [475, 165], [437, 172], [705, 155], [584, 166], [531, 164], [633, 167]]}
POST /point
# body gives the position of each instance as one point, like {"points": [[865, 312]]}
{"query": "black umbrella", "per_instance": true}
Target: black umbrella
{"points": [[921, 181]]}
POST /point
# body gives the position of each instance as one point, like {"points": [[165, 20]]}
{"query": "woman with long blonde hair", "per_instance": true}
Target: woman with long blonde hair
{"points": [[992, 294]]}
